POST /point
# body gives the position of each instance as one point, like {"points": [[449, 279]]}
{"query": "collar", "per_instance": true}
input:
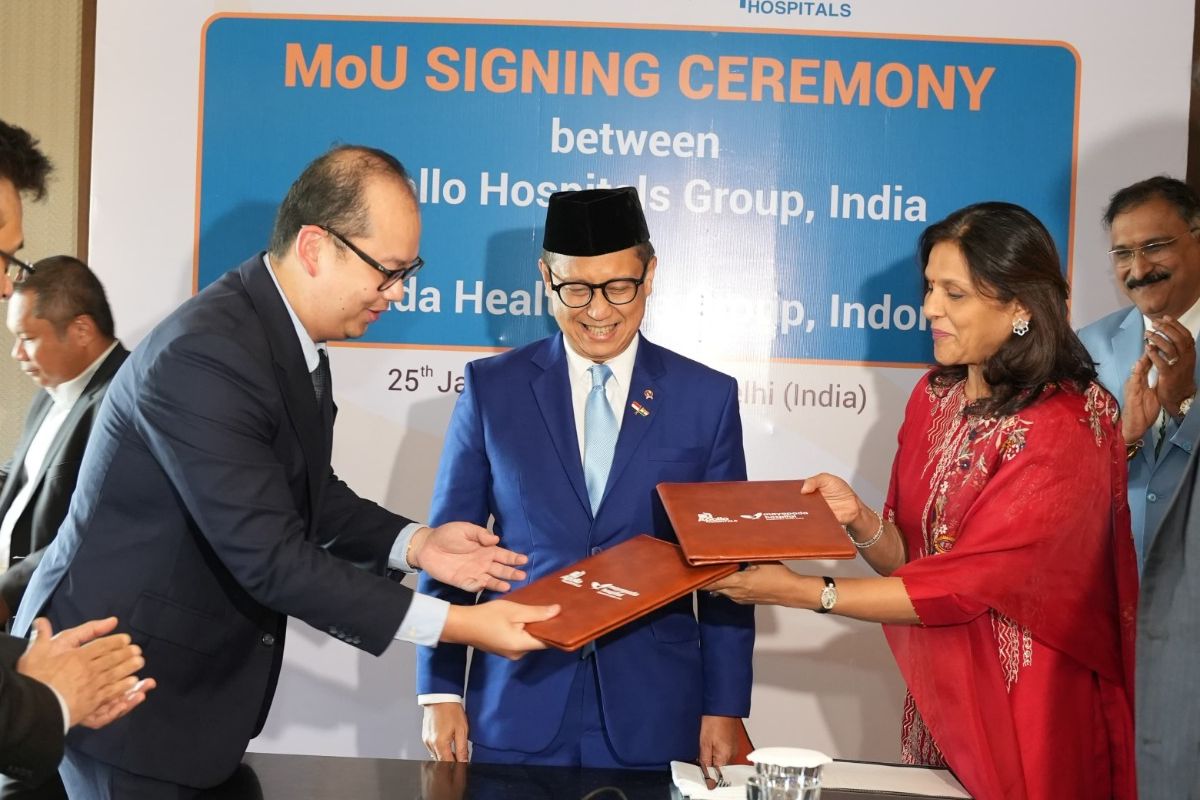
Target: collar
{"points": [[311, 350], [65, 394], [1189, 319], [621, 366]]}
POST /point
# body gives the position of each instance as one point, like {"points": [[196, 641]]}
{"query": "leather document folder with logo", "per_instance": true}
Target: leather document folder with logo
{"points": [[745, 521], [603, 592]]}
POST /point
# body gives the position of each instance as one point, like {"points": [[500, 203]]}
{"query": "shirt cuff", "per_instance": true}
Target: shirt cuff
{"points": [[424, 620], [62, 704], [396, 558], [430, 699]]}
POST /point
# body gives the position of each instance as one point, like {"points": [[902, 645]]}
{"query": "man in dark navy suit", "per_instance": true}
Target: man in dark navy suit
{"points": [[56, 682], [207, 511]]}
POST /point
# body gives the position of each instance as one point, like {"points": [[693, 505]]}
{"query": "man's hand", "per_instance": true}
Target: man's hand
{"points": [[497, 627], [466, 556], [444, 731], [93, 672], [1141, 405], [718, 740], [1172, 350]]}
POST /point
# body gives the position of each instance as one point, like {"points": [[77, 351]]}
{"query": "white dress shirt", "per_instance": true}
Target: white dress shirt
{"points": [[63, 397], [426, 616]]}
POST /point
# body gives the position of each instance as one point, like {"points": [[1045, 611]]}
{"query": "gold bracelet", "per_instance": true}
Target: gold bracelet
{"points": [[1132, 448], [869, 542]]}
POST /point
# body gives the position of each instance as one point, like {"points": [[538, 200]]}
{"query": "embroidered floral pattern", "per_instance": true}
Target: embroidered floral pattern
{"points": [[961, 450], [1015, 646], [1099, 405], [916, 744]]}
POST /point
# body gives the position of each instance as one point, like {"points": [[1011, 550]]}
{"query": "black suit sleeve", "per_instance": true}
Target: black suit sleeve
{"points": [[31, 723], [212, 417]]}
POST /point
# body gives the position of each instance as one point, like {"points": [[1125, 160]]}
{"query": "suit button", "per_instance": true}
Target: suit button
{"points": [[268, 639], [596, 551], [1187, 447], [1151, 497]]}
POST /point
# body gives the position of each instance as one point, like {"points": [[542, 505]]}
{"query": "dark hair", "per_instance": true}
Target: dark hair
{"points": [[331, 192], [1011, 256], [65, 288], [1174, 191], [22, 162]]}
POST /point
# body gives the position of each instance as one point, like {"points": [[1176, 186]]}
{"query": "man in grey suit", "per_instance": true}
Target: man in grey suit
{"points": [[1146, 354], [1168, 645]]}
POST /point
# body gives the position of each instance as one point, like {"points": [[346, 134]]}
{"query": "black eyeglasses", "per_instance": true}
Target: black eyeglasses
{"points": [[16, 269], [391, 276], [618, 291]]}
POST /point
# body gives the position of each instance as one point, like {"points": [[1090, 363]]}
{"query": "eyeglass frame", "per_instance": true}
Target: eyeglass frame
{"points": [[603, 287], [1131, 253], [23, 268], [391, 276]]}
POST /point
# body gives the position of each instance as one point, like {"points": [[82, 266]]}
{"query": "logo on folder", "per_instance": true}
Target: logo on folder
{"points": [[606, 589], [768, 516]]}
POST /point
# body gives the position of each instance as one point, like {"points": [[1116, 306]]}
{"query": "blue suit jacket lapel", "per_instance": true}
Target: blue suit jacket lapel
{"points": [[648, 370], [1127, 343], [1126, 348], [552, 392]]}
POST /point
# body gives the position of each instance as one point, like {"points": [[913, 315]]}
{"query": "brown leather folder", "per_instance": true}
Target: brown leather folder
{"points": [[744, 521], [601, 593]]}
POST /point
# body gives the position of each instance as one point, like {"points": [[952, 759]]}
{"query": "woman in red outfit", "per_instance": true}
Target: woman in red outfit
{"points": [[1010, 583]]}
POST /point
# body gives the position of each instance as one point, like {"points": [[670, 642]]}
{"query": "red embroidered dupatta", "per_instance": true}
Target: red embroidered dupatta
{"points": [[1022, 570]]}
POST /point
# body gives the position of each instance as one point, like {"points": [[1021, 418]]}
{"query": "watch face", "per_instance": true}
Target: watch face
{"points": [[828, 597]]}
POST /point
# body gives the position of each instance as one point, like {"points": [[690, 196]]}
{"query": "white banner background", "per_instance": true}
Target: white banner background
{"points": [[821, 682]]}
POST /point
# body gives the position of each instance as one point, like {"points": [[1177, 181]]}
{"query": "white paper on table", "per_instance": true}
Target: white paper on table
{"points": [[690, 781], [921, 781]]}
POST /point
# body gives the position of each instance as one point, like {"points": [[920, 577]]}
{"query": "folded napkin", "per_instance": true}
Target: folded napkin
{"points": [[690, 781]]}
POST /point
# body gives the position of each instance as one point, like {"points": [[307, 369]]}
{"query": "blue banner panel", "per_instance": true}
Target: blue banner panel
{"points": [[786, 176]]}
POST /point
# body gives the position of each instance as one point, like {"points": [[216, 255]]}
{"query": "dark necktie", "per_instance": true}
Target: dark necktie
{"points": [[320, 377], [323, 387]]}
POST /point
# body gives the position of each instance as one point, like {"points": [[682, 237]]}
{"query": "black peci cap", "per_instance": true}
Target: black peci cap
{"points": [[594, 222]]}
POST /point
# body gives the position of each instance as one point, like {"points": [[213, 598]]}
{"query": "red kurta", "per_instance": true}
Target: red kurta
{"points": [[1022, 570]]}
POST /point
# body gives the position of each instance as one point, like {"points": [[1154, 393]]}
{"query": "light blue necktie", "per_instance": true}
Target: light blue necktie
{"points": [[599, 435]]}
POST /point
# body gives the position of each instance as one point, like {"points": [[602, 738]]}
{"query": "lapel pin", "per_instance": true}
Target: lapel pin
{"points": [[648, 394], [639, 409]]}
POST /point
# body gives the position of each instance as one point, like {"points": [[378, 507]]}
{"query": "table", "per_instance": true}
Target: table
{"points": [[264, 776]]}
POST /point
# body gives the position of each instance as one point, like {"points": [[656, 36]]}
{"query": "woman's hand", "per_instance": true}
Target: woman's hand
{"points": [[761, 584], [847, 508]]}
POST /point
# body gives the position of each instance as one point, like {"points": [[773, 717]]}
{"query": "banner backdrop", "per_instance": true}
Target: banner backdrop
{"points": [[788, 155]]}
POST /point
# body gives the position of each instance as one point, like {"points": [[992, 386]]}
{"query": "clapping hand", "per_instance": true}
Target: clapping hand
{"points": [[92, 672]]}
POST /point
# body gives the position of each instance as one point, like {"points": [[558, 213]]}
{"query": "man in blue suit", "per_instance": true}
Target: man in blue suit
{"points": [[1146, 355], [562, 442], [206, 511]]}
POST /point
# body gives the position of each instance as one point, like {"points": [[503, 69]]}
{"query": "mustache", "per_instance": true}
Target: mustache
{"points": [[1146, 280]]}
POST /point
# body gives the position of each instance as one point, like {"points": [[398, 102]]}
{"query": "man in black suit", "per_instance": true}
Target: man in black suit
{"points": [[63, 327], [207, 511], [82, 676]]}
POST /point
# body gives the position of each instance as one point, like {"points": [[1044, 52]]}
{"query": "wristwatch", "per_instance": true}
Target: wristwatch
{"points": [[828, 596]]}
